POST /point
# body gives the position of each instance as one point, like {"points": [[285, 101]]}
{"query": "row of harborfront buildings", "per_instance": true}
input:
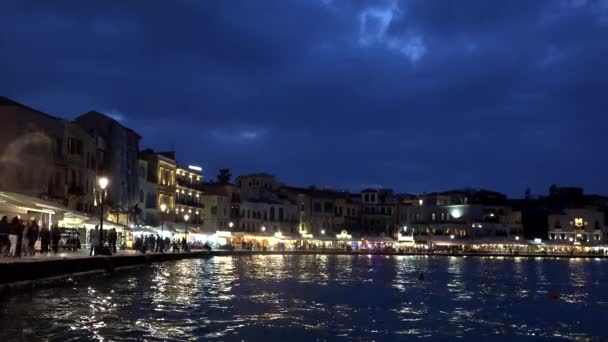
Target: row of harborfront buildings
{"points": [[59, 161]]}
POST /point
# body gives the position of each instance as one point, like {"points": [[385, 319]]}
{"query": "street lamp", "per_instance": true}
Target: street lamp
{"points": [[231, 224], [103, 193], [163, 207], [186, 218], [263, 228], [322, 231], [452, 236], [517, 238]]}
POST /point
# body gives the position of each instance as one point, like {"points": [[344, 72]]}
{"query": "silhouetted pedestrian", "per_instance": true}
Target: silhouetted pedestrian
{"points": [[45, 239], [32, 237], [113, 238], [55, 238]]}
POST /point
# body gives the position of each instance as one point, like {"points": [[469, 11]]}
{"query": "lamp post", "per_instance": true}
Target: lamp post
{"points": [[102, 193], [163, 207], [186, 218]]}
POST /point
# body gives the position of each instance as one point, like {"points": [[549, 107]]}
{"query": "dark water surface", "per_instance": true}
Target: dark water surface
{"points": [[309, 298]]}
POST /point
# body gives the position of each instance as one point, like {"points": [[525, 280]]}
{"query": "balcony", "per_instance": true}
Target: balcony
{"points": [[188, 183], [189, 202]]}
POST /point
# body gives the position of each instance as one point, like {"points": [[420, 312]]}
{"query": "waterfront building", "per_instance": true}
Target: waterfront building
{"points": [[269, 216], [257, 186], [221, 203], [160, 187], [188, 192], [148, 197], [379, 212], [472, 214], [48, 157], [578, 225], [322, 211], [120, 158]]}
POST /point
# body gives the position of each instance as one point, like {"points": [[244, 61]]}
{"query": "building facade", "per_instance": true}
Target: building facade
{"points": [[221, 205], [188, 193], [48, 157], [160, 186], [120, 158], [465, 214], [580, 225]]}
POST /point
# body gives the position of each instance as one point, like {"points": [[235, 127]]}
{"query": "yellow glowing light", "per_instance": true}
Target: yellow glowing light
{"points": [[578, 222]]}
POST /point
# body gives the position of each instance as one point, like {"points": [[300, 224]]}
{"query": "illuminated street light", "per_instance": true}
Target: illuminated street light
{"points": [[517, 238], [322, 231], [186, 218], [231, 224], [163, 207], [103, 193], [263, 228], [103, 183], [452, 236]]}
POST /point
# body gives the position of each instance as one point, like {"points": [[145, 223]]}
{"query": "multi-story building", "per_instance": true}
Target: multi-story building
{"points": [[160, 187], [257, 186], [48, 157], [578, 225], [148, 196], [269, 216], [120, 159], [379, 212], [323, 211], [221, 203], [464, 214], [189, 191]]}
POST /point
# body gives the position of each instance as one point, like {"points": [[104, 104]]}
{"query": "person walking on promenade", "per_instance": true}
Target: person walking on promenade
{"points": [[55, 237], [32, 236], [94, 240], [152, 243], [5, 230], [184, 245], [113, 238], [24, 239], [45, 239], [14, 237], [159, 243]]}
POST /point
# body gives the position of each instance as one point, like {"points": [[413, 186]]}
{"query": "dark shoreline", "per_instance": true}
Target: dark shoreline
{"points": [[28, 275]]}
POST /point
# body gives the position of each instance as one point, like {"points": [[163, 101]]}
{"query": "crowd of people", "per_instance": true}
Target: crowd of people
{"points": [[155, 243], [18, 237]]}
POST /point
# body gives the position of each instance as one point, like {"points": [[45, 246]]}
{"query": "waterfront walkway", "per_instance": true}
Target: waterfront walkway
{"points": [[81, 254]]}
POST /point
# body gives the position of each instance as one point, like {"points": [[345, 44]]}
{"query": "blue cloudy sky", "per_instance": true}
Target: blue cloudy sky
{"points": [[414, 95]]}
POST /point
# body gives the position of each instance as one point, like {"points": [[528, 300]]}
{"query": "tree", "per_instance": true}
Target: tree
{"points": [[224, 176]]}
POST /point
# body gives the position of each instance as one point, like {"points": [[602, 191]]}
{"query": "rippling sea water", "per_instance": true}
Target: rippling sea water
{"points": [[320, 297]]}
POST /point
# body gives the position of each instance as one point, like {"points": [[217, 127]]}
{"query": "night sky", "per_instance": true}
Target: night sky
{"points": [[413, 95]]}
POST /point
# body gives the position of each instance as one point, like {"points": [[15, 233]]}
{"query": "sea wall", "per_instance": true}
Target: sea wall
{"points": [[27, 273]]}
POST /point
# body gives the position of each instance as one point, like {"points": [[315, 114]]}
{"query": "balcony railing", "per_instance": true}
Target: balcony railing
{"points": [[187, 183], [189, 202]]}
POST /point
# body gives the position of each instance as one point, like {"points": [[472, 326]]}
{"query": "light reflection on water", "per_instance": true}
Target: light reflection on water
{"points": [[321, 298]]}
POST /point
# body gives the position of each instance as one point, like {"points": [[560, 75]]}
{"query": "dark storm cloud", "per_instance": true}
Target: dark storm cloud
{"points": [[415, 95]]}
